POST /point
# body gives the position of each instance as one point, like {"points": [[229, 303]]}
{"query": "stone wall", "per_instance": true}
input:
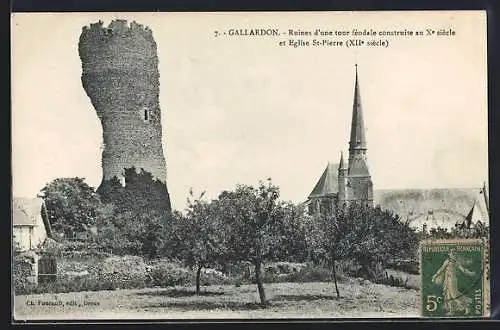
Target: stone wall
{"points": [[120, 76], [360, 189]]}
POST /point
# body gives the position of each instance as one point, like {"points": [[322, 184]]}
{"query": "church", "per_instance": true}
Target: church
{"points": [[348, 181]]}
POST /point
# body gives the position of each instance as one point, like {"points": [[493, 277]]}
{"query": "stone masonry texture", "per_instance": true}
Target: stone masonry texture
{"points": [[120, 76]]}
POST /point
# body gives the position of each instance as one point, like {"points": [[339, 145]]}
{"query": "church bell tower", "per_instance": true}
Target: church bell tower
{"points": [[359, 184]]}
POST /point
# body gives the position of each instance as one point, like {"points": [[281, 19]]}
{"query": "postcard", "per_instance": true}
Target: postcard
{"points": [[249, 165]]}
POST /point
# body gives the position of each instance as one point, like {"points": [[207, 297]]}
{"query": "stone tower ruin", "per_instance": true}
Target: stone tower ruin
{"points": [[120, 76]]}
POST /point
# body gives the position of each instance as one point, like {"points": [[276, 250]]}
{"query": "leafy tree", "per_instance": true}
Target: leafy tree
{"points": [[200, 235], [329, 227], [141, 218], [72, 205], [137, 234], [375, 236], [368, 235], [440, 233], [252, 219], [292, 232]]}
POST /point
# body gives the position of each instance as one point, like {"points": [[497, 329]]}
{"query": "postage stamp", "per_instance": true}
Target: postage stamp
{"points": [[454, 278]]}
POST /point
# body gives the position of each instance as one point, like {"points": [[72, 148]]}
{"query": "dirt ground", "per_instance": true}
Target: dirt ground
{"points": [[288, 300]]}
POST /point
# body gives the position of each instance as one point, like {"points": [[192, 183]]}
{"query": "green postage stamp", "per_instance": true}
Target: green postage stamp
{"points": [[454, 279]]}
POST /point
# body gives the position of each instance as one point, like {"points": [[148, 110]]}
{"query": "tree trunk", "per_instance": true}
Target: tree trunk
{"points": [[260, 285], [198, 275], [335, 278]]}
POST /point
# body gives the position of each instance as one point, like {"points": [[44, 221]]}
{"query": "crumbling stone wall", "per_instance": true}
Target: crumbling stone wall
{"points": [[120, 76]]}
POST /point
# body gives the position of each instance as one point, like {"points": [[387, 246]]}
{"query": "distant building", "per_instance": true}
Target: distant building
{"points": [[433, 208], [343, 184], [31, 226]]}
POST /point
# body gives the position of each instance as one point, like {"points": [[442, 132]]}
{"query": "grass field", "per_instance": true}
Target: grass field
{"points": [[288, 300]]}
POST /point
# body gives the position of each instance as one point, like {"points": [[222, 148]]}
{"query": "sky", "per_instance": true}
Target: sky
{"points": [[242, 109]]}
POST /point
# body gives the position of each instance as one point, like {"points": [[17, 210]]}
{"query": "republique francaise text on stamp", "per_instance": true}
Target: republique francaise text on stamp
{"points": [[454, 278]]}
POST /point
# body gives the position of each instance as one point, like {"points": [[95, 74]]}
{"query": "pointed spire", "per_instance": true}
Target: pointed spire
{"points": [[485, 195], [342, 165], [469, 215], [358, 139]]}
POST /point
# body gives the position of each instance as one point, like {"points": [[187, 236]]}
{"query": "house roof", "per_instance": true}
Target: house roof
{"points": [[26, 210], [328, 182]]}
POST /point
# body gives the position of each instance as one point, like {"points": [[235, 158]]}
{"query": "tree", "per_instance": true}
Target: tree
{"points": [[440, 233], [141, 221], [329, 227], [292, 232], [252, 219], [72, 205], [475, 230], [201, 238], [370, 236], [138, 234], [377, 236]]}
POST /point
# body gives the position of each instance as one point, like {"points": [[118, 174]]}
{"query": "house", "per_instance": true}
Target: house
{"points": [[31, 226]]}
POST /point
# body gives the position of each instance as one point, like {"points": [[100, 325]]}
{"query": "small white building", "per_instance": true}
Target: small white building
{"points": [[31, 226]]}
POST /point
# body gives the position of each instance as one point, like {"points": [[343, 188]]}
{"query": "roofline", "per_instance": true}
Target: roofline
{"points": [[45, 218]]}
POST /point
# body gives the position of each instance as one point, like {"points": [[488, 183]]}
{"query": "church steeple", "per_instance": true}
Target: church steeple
{"points": [[358, 138], [358, 183], [342, 178], [342, 165]]}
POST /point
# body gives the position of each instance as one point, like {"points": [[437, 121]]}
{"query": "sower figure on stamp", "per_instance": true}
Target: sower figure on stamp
{"points": [[447, 274]]}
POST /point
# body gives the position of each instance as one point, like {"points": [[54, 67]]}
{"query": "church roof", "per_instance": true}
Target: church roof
{"points": [[358, 138], [328, 182]]}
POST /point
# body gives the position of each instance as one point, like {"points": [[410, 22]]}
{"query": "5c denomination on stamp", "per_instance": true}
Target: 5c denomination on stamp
{"points": [[454, 278]]}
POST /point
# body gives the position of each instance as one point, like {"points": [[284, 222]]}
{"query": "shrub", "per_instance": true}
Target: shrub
{"points": [[87, 283], [393, 281], [283, 267], [408, 266], [242, 270], [121, 271], [21, 272], [211, 278], [311, 274], [108, 274], [169, 274]]}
